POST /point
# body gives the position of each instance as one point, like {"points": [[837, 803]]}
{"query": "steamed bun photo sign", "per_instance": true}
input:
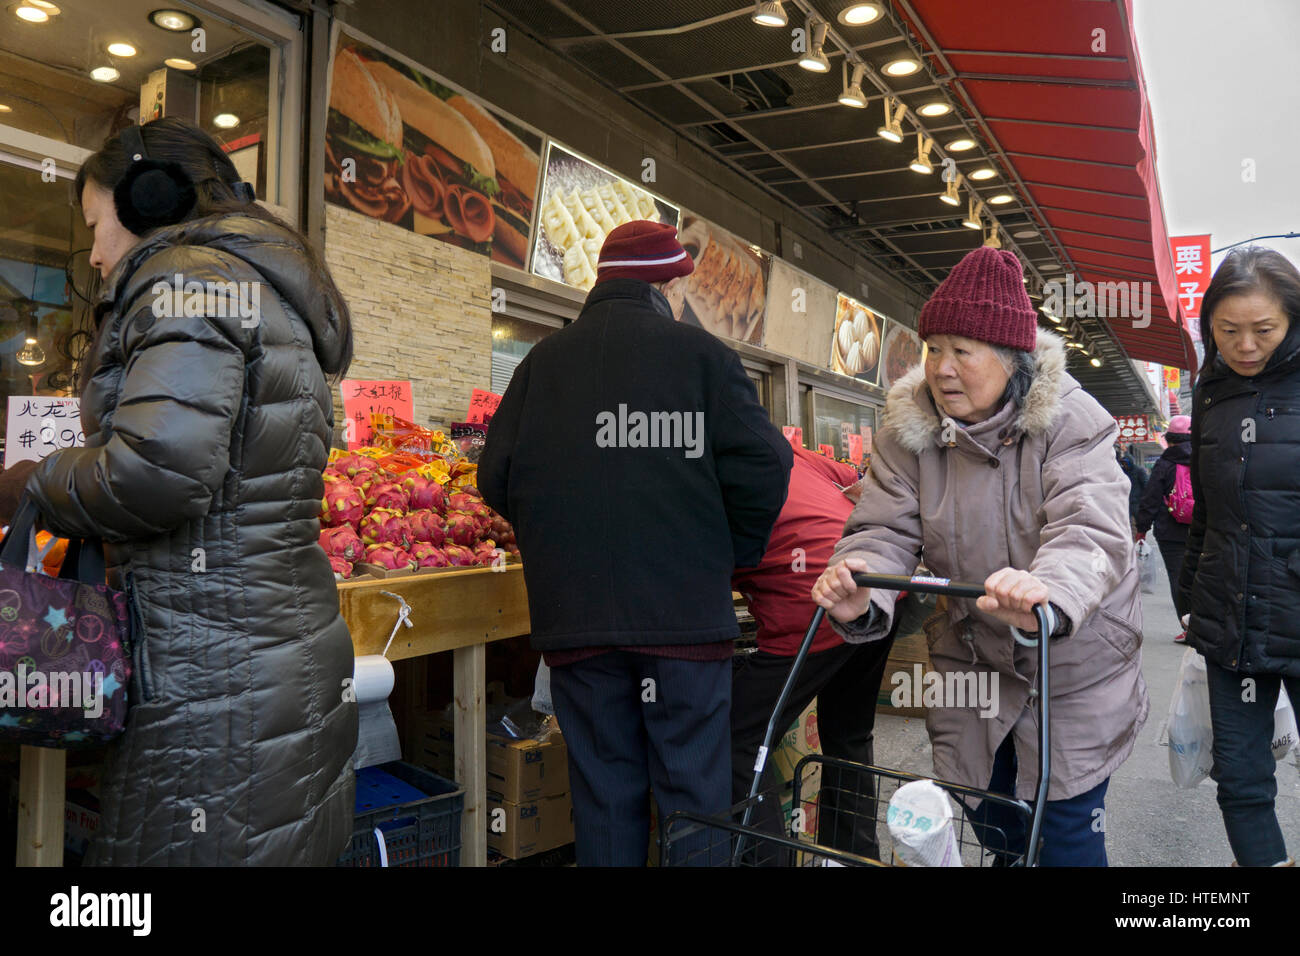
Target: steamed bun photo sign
{"points": [[855, 345]]}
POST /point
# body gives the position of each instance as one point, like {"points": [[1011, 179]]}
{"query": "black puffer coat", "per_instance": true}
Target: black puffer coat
{"points": [[1241, 575], [205, 442]]}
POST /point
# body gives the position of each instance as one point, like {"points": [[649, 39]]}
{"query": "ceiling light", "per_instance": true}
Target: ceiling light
{"points": [[4, 108], [815, 59], [180, 63], [922, 162], [1095, 361], [121, 49], [225, 120], [1025, 234], [178, 21], [904, 67], [1050, 267], [934, 109], [951, 197], [860, 14], [104, 74], [30, 14], [961, 145], [892, 128], [45, 5], [1001, 198], [769, 13], [974, 212], [991, 237], [984, 172], [852, 95]]}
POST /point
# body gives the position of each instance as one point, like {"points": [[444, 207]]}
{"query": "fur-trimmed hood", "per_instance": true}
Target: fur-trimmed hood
{"points": [[912, 418]]}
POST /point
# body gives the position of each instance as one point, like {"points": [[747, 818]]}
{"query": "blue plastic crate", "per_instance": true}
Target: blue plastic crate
{"points": [[416, 812]]}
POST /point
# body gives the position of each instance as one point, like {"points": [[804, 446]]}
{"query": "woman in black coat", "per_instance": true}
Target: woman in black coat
{"points": [[1241, 574], [1171, 535], [208, 417]]}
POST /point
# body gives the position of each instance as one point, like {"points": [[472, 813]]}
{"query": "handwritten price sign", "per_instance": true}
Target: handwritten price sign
{"points": [[40, 425], [482, 406], [793, 434], [855, 449], [360, 399]]}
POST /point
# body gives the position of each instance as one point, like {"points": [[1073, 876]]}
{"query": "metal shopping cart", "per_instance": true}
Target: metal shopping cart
{"points": [[991, 829]]}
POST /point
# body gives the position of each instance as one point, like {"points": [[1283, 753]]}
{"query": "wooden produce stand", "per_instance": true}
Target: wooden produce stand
{"points": [[461, 611]]}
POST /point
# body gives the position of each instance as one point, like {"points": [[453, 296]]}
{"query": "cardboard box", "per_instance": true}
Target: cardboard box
{"points": [[517, 830], [519, 770]]}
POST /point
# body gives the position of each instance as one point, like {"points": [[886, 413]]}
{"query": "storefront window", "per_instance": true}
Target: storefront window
{"points": [[511, 340], [834, 418]]}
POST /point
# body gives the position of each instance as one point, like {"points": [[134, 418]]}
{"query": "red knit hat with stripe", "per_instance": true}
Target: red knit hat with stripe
{"points": [[983, 298], [643, 250]]}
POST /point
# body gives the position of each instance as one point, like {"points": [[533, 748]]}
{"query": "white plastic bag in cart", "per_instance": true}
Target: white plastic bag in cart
{"points": [[1191, 736], [542, 690], [1146, 568], [920, 821], [1284, 726]]}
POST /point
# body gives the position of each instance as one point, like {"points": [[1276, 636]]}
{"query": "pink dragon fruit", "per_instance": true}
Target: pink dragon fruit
{"points": [[459, 557], [460, 501], [342, 504], [429, 556], [424, 493], [485, 552], [365, 480], [341, 567], [462, 528], [351, 465], [389, 556], [427, 526], [386, 526], [342, 542], [387, 494]]}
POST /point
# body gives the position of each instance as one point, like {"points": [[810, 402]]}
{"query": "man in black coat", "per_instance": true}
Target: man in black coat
{"points": [[1171, 536], [638, 468]]}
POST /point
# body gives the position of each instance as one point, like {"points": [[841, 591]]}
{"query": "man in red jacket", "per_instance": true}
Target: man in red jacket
{"points": [[845, 678]]}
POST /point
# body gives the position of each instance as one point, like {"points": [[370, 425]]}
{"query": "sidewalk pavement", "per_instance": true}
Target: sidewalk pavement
{"points": [[1149, 821]]}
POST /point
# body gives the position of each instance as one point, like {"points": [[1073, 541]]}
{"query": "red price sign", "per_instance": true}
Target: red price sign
{"points": [[482, 406], [360, 399], [827, 450], [793, 434], [855, 449]]}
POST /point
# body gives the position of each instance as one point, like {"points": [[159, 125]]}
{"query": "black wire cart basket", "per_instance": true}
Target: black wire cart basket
{"points": [[854, 813]]}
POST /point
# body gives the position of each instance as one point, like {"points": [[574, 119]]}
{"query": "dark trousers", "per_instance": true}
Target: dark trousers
{"points": [[1244, 767], [633, 721], [1074, 830], [845, 680], [1172, 552]]}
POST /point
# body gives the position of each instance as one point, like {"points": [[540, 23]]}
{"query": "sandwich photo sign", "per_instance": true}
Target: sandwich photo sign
{"points": [[403, 146]]}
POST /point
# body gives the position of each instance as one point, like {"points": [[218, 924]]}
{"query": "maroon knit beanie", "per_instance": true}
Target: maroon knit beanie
{"points": [[643, 250], [983, 298]]}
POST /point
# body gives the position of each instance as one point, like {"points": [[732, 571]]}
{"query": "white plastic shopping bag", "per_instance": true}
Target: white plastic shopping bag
{"points": [[1284, 726], [1146, 568], [1191, 737]]}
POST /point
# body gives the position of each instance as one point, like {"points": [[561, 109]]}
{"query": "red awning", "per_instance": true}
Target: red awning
{"points": [[1074, 129]]}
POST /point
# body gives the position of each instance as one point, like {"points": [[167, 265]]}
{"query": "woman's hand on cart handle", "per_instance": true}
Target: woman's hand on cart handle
{"points": [[836, 590], [1010, 596]]}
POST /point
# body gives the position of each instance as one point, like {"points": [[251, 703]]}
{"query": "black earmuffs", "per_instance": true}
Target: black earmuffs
{"points": [[154, 193]]}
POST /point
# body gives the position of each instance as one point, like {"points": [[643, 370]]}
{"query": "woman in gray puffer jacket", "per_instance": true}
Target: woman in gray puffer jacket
{"points": [[206, 431]]}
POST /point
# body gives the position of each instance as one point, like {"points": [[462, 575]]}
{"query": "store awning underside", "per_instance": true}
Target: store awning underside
{"points": [[1064, 128]]}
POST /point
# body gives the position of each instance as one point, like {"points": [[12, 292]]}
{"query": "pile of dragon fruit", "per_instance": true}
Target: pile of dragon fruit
{"points": [[372, 516]]}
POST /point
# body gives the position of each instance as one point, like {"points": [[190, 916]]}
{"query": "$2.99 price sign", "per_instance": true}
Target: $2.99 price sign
{"points": [[39, 425]]}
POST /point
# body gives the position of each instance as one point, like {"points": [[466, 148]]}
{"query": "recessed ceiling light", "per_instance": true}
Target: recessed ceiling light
{"points": [[1001, 198], [180, 63], [985, 172], [1050, 267], [104, 74], [121, 49], [30, 14], [934, 109], [225, 120], [45, 5], [904, 67], [860, 14], [1025, 234], [961, 145], [177, 21], [5, 108]]}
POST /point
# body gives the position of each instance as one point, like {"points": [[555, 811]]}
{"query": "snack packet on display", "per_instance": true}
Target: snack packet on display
{"points": [[469, 437], [920, 821]]}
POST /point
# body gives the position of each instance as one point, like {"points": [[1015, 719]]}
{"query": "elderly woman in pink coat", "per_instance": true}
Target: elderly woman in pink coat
{"points": [[992, 464]]}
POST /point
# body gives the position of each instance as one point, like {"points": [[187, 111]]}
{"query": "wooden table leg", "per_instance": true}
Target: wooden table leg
{"points": [[469, 665], [42, 776]]}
